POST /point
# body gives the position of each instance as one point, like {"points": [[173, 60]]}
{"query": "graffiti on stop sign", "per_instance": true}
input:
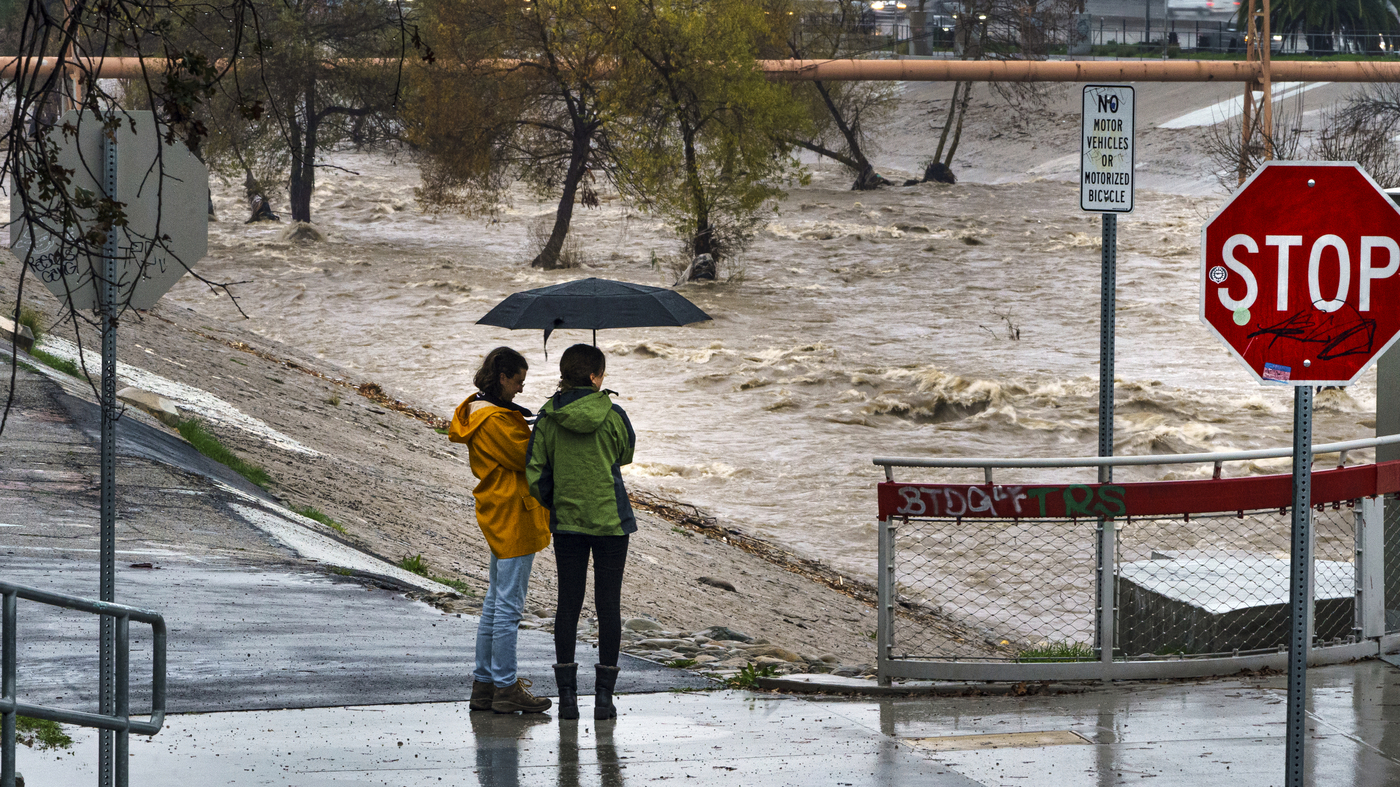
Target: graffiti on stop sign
{"points": [[1301, 272], [1327, 315]]}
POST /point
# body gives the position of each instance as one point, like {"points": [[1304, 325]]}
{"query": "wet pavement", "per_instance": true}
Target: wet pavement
{"points": [[1199, 733], [283, 671]]}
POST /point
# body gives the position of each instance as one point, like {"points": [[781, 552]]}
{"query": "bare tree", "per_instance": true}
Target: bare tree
{"points": [[1228, 155]]}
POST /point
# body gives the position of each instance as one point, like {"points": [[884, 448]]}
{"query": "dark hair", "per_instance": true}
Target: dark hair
{"points": [[499, 361], [578, 364]]}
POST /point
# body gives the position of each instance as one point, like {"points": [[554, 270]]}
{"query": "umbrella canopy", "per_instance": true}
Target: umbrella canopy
{"points": [[593, 304]]}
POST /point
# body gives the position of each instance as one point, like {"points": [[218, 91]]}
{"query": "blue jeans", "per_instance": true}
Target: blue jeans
{"points": [[500, 620]]}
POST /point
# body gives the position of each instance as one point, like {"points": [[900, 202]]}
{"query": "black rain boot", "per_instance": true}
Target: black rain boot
{"points": [[603, 707], [566, 678]]}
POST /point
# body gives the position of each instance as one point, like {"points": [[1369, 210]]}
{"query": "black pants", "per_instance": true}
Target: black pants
{"points": [[571, 558]]}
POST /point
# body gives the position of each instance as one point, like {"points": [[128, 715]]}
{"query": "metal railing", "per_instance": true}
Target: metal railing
{"points": [[120, 721], [1133, 580]]}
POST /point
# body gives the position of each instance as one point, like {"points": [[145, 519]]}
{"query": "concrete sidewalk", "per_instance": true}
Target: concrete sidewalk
{"points": [[1227, 732]]}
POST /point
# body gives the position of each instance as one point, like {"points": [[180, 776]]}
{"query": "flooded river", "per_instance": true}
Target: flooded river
{"points": [[926, 321]]}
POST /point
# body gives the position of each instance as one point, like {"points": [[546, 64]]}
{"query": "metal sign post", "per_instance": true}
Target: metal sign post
{"points": [[106, 757], [1323, 322], [1300, 583], [1106, 187], [164, 191]]}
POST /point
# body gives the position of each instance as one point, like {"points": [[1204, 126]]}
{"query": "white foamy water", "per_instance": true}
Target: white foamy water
{"points": [[866, 324]]}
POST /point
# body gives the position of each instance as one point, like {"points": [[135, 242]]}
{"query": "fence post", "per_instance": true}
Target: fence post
{"points": [[8, 693], [1107, 560], [884, 632], [1370, 567]]}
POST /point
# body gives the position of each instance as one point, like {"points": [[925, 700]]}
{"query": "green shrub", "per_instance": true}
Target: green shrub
{"points": [[54, 362], [313, 514], [195, 433], [34, 319], [414, 565], [1057, 651], [41, 734], [748, 676]]}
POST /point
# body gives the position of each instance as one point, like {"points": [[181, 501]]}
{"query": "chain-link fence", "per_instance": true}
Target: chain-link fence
{"points": [[1027, 583], [1195, 586], [1218, 585]]}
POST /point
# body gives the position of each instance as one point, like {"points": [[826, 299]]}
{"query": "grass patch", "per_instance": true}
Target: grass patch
{"points": [[748, 676], [456, 584], [681, 663], [195, 433], [333, 400], [344, 572], [41, 734], [683, 532], [414, 565], [54, 362], [34, 319], [440, 431], [311, 513], [417, 565], [1057, 651]]}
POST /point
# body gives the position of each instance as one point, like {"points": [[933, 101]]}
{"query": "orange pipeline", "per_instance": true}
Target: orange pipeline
{"points": [[927, 70]]}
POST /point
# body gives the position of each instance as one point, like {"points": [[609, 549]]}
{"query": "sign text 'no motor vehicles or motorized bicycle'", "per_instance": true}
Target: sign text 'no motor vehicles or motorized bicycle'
{"points": [[1106, 149]]}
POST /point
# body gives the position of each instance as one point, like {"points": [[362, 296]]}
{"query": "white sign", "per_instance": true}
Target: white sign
{"points": [[1106, 150], [166, 194]]}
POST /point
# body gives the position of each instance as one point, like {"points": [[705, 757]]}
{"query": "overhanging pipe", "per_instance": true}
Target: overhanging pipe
{"points": [[1120, 461], [909, 70], [1078, 70]]}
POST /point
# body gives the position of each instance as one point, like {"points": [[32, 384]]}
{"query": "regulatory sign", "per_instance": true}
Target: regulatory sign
{"points": [[1106, 150], [1298, 273], [166, 194]]}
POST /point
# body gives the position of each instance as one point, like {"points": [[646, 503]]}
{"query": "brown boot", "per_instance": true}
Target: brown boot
{"points": [[482, 693], [518, 698]]}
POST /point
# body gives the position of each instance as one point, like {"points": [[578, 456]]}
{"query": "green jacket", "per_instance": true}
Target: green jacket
{"points": [[574, 465]]}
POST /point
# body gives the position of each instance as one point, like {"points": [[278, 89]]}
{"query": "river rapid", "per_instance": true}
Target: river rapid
{"points": [[921, 321]]}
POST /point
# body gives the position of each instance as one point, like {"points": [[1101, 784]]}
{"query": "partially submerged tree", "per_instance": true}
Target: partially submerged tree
{"points": [[515, 95], [323, 73], [842, 113], [995, 30], [700, 142]]}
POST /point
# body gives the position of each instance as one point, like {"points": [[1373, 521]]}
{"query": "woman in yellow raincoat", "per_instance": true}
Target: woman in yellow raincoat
{"points": [[516, 526]]}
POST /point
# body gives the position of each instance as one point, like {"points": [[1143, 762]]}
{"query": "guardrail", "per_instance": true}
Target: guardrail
{"points": [[120, 721], [1134, 580]]}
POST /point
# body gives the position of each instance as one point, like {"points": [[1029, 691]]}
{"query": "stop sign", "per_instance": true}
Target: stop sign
{"points": [[1299, 273]]}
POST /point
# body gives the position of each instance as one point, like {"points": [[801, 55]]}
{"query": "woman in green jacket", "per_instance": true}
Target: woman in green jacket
{"points": [[580, 443]]}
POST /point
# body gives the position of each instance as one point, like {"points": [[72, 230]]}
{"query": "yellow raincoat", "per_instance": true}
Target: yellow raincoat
{"points": [[514, 522]]}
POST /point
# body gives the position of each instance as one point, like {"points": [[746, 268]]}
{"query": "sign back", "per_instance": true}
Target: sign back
{"points": [[165, 194]]}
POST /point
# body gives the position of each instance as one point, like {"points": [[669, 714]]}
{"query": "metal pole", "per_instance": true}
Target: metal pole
{"points": [[123, 750], [1299, 584], [8, 692], [1108, 289], [884, 633], [108, 305], [1108, 283]]}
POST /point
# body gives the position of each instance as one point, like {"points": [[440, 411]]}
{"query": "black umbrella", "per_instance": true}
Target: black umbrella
{"points": [[593, 304]]}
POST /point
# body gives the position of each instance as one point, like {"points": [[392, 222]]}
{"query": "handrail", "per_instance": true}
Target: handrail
{"points": [[1122, 461], [119, 722]]}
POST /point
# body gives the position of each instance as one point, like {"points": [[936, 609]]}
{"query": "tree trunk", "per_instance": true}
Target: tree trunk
{"points": [[303, 179], [702, 242], [957, 134], [548, 258], [847, 131], [948, 122]]}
